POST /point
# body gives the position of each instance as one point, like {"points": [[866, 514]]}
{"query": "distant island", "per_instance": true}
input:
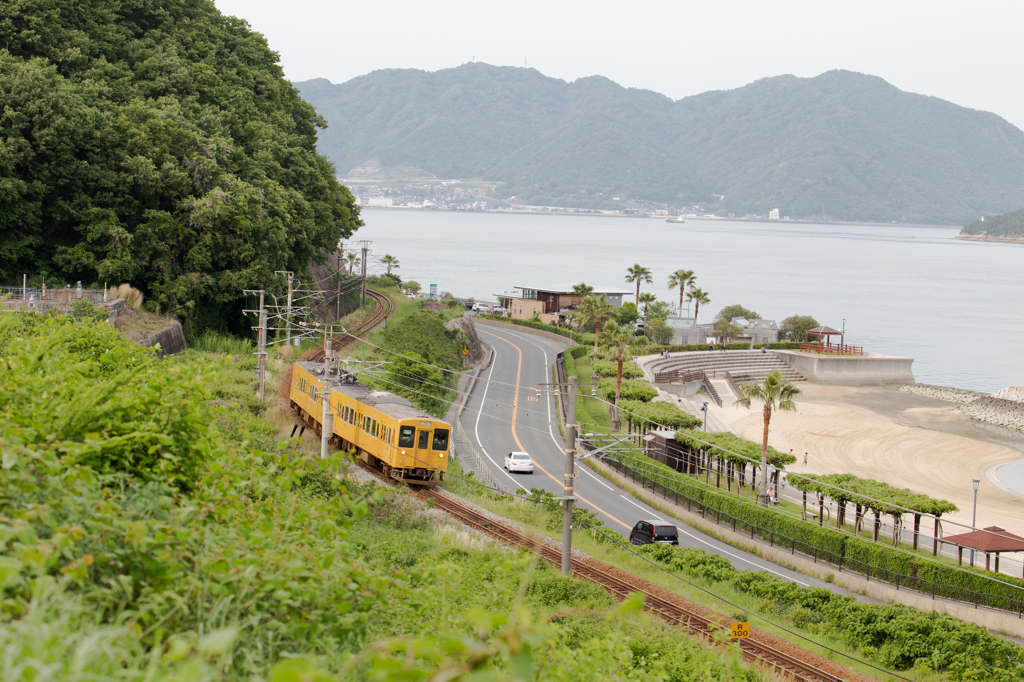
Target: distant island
{"points": [[1008, 227], [841, 146]]}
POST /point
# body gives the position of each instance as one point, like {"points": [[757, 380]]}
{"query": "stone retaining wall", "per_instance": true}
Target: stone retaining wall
{"points": [[992, 409], [953, 395]]}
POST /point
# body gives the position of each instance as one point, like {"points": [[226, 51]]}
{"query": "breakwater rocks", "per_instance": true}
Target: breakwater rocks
{"points": [[1004, 408], [952, 395]]}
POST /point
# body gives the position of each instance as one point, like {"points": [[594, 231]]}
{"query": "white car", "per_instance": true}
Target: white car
{"points": [[518, 461], [481, 308]]}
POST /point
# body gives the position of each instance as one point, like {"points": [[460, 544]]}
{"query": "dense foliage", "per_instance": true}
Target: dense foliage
{"points": [[843, 144], [1006, 225], [271, 565], [894, 635], [795, 327], [871, 494], [732, 448], [157, 143], [631, 389], [648, 415]]}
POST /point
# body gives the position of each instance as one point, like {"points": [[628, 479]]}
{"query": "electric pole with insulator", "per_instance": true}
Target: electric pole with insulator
{"points": [[570, 474]]}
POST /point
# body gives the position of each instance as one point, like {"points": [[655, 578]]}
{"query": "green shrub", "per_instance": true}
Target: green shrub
{"points": [[631, 389], [610, 368], [215, 342]]}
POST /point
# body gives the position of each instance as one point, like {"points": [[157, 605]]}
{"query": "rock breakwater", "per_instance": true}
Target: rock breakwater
{"points": [[1003, 408]]}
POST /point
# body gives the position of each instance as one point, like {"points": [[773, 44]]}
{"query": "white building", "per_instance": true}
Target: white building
{"points": [[773, 214], [386, 201]]}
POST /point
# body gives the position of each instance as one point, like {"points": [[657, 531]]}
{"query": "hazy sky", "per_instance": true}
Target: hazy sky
{"points": [[964, 52]]}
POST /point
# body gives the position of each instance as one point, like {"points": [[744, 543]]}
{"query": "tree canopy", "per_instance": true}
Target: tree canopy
{"points": [[795, 327], [157, 144], [732, 448], [736, 310], [871, 494]]}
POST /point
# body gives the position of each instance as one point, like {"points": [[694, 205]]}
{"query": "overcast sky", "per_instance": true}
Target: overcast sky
{"points": [[964, 52]]}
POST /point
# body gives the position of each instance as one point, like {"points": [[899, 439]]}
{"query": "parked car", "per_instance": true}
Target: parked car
{"points": [[647, 532], [518, 461], [481, 308], [639, 327], [499, 311]]}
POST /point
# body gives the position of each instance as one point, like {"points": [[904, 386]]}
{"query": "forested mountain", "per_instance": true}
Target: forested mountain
{"points": [[1008, 227], [846, 143], [157, 143]]}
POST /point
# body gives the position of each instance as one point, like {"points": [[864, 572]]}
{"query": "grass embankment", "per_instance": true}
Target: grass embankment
{"points": [[157, 523]]}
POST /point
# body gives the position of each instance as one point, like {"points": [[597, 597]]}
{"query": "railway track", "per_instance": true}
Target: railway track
{"points": [[754, 650], [382, 310]]}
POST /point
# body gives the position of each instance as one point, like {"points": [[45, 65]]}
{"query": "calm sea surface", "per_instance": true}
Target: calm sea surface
{"points": [[956, 307]]}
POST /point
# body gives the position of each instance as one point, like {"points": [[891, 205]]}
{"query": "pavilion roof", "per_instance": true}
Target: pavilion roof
{"points": [[991, 539], [823, 330]]}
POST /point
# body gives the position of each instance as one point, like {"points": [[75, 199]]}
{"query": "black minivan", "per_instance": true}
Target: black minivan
{"points": [[646, 532]]}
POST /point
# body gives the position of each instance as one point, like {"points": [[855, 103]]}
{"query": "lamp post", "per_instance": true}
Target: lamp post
{"points": [[705, 411], [974, 516]]}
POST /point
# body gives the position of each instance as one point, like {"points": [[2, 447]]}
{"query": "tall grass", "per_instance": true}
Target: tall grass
{"points": [[215, 342]]}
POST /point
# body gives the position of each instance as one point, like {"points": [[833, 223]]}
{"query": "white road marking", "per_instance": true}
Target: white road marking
{"points": [[654, 518], [476, 429]]}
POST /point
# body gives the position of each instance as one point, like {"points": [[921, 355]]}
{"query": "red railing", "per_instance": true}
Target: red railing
{"points": [[831, 349]]}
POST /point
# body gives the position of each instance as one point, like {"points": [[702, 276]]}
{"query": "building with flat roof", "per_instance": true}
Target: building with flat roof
{"points": [[553, 302]]}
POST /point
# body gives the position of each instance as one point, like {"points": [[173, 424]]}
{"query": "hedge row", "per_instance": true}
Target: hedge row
{"points": [[631, 389], [828, 544], [896, 636], [610, 368], [582, 339], [690, 347]]}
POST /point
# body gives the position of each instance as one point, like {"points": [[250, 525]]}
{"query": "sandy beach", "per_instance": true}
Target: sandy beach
{"points": [[903, 439]]}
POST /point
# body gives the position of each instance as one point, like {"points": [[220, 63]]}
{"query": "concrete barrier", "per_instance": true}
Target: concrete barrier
{"points": [[870, 369]]}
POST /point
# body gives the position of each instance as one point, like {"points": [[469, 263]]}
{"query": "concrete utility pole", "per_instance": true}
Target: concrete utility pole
{"points": [[288, 311], [261, 347], [570, 474], [327, 420], [366, 249]]}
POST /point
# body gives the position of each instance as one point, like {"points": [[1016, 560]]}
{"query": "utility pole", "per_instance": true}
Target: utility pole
{"points": [[570, 474], [261, 347], [366, 248], [288, 311]]}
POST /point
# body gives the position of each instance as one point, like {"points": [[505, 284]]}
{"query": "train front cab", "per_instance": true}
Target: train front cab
{"points": [[421, 455]]}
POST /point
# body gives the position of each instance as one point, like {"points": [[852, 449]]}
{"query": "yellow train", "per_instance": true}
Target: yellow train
{"points": [[383, 429]]}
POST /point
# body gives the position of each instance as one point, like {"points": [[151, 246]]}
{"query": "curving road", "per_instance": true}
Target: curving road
{"points": [[507, 412]]}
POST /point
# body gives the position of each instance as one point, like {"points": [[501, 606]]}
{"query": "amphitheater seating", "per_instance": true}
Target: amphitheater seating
{"points": [[744, 365]]}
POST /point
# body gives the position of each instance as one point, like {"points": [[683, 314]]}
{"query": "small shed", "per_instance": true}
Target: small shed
{"points": [[991, 540]]}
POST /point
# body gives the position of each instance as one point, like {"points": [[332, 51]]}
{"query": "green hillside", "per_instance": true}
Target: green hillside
{"points": [[846, 143], [1006, 226], [157, 143]]}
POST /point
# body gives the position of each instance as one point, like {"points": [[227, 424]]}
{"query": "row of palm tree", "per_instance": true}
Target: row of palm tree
{"points": [[680, 279], [354, 261]]}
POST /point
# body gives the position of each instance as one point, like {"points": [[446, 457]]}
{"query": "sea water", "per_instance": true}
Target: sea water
{"points": [[956, 307]]}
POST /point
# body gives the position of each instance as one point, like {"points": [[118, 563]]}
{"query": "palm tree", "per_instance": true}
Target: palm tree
{"points": [[594, 310], [639, 274], [582, 290], [619, 339], [353, 261], [777, 394], [391, 262], [697, 296], [647, 298], [681, 279]]}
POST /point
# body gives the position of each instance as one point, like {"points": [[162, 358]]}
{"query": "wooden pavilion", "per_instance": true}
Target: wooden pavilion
{"points": [[991, 540], [822, 342]]}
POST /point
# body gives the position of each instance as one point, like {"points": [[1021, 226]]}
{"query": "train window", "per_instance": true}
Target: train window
{"points": [[344, 414], [373, 429], [406, 436], [424, 440], [390, 435], [441, 439]]}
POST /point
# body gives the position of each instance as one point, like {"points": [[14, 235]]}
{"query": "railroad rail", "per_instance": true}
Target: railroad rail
{"points": [[754, 650], [382, 310]]}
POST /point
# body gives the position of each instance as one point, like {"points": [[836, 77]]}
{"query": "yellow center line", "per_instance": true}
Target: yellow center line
{"points": [[515, 409]]}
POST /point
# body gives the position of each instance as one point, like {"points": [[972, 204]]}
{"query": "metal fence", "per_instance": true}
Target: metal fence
{"points": [[38, 300], [870, 572]]}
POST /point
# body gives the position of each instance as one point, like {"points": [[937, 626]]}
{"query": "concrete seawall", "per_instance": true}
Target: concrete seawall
{"points": [[870, 369]]}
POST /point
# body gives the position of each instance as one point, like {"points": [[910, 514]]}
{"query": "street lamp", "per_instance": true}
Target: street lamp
{"points": [[974, 517], [705, 411]]}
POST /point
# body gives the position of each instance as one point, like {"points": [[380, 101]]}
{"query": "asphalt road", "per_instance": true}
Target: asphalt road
{"points": [[510, 411]]}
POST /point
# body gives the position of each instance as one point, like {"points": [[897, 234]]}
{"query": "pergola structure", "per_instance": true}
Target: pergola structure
{"points": [[822, 342], [991, 540]]}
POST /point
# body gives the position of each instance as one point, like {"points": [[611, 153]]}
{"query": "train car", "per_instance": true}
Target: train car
{"points": [[383, 429]]}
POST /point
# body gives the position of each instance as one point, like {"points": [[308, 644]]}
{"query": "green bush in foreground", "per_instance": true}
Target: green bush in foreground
{"points": [[894, 635], [632, 389]]}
